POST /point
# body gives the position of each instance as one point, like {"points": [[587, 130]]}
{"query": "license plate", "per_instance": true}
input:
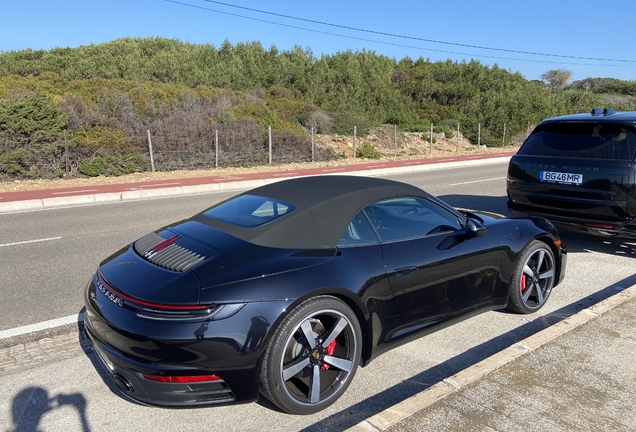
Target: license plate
{"points": [[561, 177]]}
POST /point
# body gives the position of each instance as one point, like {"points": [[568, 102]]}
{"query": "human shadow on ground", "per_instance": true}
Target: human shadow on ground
{"points": [[32, 403]]}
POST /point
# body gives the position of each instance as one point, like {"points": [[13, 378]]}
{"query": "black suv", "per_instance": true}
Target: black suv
{"points": [[579, 171]]}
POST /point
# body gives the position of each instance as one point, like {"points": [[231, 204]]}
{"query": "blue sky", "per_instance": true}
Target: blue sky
{"points": [[437, 30]]}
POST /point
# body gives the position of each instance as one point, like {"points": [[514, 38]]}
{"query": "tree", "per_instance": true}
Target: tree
{"points": [[557, 78], [318, 121], [31, 116]]}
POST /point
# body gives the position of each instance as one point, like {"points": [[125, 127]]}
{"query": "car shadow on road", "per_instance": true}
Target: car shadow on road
{"points": [[420, 382], [575, 241]]}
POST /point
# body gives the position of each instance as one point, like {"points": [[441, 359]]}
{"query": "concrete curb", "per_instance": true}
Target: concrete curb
{"points": [[82, 200], [41, 330], [411, 406]]}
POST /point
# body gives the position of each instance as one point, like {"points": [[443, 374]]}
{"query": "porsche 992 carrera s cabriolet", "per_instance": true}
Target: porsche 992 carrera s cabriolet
{"points": [[288, 288]]}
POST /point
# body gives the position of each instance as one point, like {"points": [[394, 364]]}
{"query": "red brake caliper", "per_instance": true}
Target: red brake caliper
{"points": [[330, 349], [523, 282]]}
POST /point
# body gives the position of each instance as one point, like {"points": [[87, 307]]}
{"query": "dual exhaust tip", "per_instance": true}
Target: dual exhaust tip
{"points": [[123, 383]]}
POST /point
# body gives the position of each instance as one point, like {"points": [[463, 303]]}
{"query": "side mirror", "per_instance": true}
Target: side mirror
{"points": [[475, 229]]}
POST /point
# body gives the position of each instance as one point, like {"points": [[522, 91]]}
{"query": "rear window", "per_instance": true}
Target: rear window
{"points": [[581, 140], [249, 210]]}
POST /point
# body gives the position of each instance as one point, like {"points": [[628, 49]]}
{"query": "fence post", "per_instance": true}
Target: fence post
{"points": [[216, 148], [312, 144], [269, 128], [354, 141], [431, 148], [457, 146], [479, 134], [503, 141], [394, 140], [152, 159], [66, 150]]}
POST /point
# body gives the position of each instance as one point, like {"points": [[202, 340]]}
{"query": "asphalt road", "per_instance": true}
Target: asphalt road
{"points": [[44, 280]]}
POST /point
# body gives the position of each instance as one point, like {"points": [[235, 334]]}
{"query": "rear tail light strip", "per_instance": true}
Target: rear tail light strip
{"points": [[182, 378], [167, 312]]}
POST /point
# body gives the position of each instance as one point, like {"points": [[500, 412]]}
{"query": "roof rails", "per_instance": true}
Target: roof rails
{"points": [[605, 112]]}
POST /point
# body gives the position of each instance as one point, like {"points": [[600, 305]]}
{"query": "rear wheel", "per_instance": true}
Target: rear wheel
{"points": [[533, 279], [312, 356]]}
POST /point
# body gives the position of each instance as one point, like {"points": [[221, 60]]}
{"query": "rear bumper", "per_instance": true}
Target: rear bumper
{"points": [[601, 227], [129, 347], [128, 375]]}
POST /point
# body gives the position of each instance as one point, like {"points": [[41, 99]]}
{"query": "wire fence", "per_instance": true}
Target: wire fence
{"points": [[227, 147], [240, 143]]}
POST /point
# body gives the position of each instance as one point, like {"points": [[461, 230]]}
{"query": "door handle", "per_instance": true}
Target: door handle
{"points": [[404, 271]]}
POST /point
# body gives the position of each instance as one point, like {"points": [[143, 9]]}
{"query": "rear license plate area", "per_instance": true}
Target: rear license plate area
{"points": [[561, 177]]}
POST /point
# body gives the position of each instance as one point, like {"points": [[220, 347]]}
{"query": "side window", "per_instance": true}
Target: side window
{"points": [[359, 232], [406, 217]]}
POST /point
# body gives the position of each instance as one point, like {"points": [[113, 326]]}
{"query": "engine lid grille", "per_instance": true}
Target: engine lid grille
{"points": [[166, 253]]}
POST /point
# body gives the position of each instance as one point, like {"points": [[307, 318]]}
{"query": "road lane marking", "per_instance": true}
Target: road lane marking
{"points": [[285, 174], [30, 241], [44, 325], [76, 191], [477, 181], [154, 185]]}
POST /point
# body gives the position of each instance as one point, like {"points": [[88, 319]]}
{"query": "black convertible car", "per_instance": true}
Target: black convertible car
{"points": [[289, 287]]}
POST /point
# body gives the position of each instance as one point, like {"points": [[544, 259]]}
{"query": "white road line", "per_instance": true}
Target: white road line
{"points": [[154, 185], [30, 241], [163, 184], [19, 331], [72, 192], [477, 181]]}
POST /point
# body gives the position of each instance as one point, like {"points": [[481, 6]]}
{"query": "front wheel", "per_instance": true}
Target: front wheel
{"points": [[532, 279], [312, 356]]}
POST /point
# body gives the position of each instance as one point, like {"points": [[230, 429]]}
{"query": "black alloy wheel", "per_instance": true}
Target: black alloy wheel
{"points": [[312, 357], [533, 279]]}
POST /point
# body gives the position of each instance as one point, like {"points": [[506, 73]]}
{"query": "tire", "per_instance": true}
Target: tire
{"points": [[532, 279], [312, 357]]}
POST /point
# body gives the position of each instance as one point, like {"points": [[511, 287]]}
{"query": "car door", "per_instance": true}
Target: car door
{"points": [[436, 270]]}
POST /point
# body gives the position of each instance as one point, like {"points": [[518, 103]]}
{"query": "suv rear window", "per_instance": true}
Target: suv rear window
{"points": [[581, 140]]}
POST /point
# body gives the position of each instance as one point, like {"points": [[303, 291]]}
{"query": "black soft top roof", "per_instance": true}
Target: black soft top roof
{"points": [[324, 207]]}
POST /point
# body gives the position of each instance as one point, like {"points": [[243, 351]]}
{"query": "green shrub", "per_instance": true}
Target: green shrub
{"points": [[344, 124], [31, 116], [367, 151], [113, 165], [409, 121], [13, 162], [92, 168]]}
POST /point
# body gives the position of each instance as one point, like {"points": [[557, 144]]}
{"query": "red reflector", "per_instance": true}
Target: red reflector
{"points": [[517, 212], [182, 378], [598, 225]]}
